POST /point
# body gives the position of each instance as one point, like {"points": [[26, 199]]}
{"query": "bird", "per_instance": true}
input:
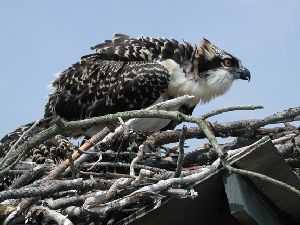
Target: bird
{"points": [[127, 73]]}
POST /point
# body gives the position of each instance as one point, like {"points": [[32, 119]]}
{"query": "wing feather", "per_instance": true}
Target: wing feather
{"points": [[125, 48], [94, 87]]}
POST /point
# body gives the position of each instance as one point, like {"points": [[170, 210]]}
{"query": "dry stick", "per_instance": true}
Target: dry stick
{"points": [[51, 215], [118, 184], [103, 209], [104, 196], [17, 142], [67, 201], [181, 151], [227, 129], [283, 139], [74, 172], [217, 148], [74, 211], [291, 114], [209, 134], [140, 155], [125, 136], [263, 177], [231, 108], [53, 187], [22, 136], [125, 165], [90, 143], [142, 174], [113, 154], [107, 175], [181, 193], [27, 177]]}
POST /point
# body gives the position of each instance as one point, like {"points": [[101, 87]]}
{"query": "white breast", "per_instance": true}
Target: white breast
{"points": [[204, 90]]}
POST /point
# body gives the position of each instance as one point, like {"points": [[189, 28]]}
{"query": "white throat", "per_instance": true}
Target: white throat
{"points": [[204, 89]]}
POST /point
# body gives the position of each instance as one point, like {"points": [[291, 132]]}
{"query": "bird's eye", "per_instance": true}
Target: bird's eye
{"points": [[227, 62]]}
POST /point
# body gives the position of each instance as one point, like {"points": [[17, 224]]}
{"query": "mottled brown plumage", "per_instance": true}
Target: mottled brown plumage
{"points": [[122, 75], [95, 87]]}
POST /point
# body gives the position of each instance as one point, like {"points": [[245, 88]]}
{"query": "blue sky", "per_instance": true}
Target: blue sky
{"points": [[41, 38]]}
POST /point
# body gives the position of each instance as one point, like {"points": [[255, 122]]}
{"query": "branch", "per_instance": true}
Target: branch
{"points": [[263, 177], [288, 115], [142, 150], [54, 187], [50, 215], [17, 142], [181, 151], [232, 108]]}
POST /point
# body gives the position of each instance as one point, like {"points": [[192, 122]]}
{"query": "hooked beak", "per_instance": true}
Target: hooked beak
{"points": [[244, 74]]}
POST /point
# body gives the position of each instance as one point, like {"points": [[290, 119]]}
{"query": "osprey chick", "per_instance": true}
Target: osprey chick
{"points": [[133, 73], [129, 74]]}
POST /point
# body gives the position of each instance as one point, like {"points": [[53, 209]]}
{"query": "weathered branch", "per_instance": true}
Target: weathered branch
{"points": [[232, 108], [50, 215], [54, 187], [181, 151], [263, 177]]}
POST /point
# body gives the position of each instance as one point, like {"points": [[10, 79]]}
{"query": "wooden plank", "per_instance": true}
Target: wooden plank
{"points": [[245, 204]]}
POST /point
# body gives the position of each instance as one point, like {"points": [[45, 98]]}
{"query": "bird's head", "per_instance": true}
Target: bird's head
{"points": [[210, 61], [215, 70]]}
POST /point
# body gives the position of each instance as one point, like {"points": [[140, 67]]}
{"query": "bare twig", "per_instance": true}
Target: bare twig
{"points": [[67, 201], [103, 196], [263, 177], [143, 173], [284, 139], [124, 165], [232, 108], [50, 215], [74, 211], [181, 151], [142, 150], [54, 187], [17, 142], [182, 193], [27, 177], [288, 115], [74, 172]]}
